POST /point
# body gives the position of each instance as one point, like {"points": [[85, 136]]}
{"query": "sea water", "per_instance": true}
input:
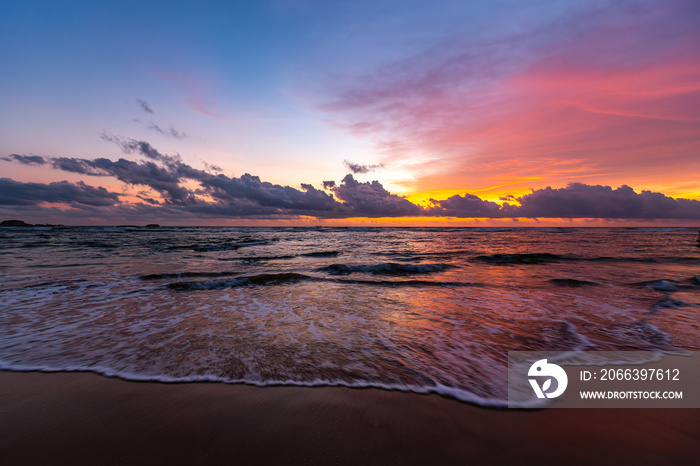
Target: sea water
{"points": [[415, 309]]}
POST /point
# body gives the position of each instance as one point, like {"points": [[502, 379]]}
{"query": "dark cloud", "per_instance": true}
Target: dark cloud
{"points": [[246, 195], [129, 146], [212, 168], [232, 196], [73, 165], [372, 200], [579, 200], [170, 131], [147, 199], [18, 193], [148, 174], [358, 168], [311, 201], [25, 159], [144, 106], [468, 205], [198, 193]]}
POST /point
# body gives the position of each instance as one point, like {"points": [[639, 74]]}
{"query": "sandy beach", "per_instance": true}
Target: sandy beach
{"points": [[83, 418]]}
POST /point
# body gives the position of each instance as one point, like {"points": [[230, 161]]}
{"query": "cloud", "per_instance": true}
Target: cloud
{"points": [[246, 195], [129, 145], [577, 200], [468, 205], [17, 193], [25, 159], [144, 106], [171, 131], [285, 198], [211, 167], [73, 165], [198, 193], [596, 89], [147, 173], [358, 168], [372, 200]]}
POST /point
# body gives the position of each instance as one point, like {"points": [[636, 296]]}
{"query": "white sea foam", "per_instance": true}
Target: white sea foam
{"points": [[451, 392]]}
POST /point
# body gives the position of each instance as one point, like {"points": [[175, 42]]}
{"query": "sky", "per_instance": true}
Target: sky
{"points": [[305, 112]]}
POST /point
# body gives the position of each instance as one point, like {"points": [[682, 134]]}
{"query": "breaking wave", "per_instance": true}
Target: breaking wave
{"points": [[265, 279], [571, 282], [389, 268]]}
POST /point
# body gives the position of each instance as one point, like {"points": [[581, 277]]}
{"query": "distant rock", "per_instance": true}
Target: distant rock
{"points": [[20, 223], [152, 225], [15, 223]]}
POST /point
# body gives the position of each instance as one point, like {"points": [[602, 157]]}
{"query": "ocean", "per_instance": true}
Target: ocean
{"points": [[426, 310]]}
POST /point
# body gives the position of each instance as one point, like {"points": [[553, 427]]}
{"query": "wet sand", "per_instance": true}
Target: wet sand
{"points": [[82, 418]]}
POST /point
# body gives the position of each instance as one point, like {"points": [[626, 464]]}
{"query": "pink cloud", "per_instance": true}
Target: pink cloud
{"points": [[618, 97]]}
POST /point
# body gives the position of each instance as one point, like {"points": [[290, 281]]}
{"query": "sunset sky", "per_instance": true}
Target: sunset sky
{"points": [[304, 111]]}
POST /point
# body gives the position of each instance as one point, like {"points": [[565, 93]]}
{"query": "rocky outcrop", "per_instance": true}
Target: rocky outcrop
{"points": [[20, 223], [15, 223]]}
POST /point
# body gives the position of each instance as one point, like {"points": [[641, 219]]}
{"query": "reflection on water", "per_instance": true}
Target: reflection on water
{"points": [[413, 309]]}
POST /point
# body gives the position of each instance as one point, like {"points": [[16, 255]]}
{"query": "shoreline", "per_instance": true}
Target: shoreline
{"points": [[86, 418]]}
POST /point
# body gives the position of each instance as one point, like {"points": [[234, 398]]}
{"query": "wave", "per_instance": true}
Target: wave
{"points": [[439, 389], [321, 254], [531, 258], [389, 268], [670, 303], [288, 278], [669, 286], [213, 246], [249, 259], [165, 276], [406, 283], [97, 244], [36, 244], [571, 282], [659, 285], [225, 247], [648, 260], [407, 256], [260, 280]]}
